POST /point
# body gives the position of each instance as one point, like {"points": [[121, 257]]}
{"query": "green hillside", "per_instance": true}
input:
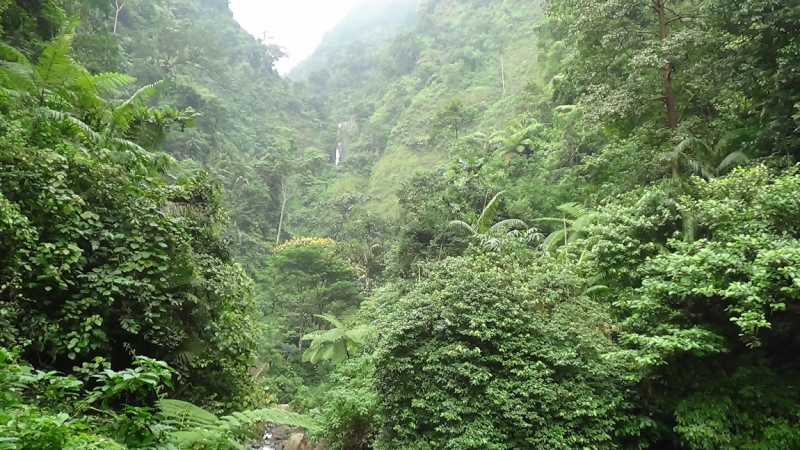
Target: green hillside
{"points": [[476, 52], [370, 22], [486, 225]]}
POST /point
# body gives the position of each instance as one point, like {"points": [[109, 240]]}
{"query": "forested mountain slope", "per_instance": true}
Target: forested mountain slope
{"points": [[560, 226], [249, 129], [370, 22], [482, 53]]}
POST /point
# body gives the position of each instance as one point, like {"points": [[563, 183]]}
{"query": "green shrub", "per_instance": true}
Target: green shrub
{"points": [[349, 416], [498, 353]]}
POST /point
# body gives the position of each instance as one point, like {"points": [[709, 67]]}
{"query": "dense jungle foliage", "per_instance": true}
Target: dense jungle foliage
{"points": [[462, 225]]}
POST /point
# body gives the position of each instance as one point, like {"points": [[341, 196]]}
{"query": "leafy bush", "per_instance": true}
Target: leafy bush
{"points": [[498, 353], [47, 411], [708, 312], [348, 416]]}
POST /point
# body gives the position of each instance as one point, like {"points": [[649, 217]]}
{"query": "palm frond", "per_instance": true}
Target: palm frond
{"points": [[733, 158], [505, 225], [482, 224], [692, 143], [464, 226]]}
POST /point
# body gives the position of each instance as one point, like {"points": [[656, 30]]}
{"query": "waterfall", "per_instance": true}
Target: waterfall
{"points": [[338, 154]]}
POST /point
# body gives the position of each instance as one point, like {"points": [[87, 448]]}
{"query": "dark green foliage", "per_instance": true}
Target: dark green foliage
{"points": [[308, 278], [494, 353], [103, 255], [454, 117], [652, 142], [349, 416], [710, 318]]}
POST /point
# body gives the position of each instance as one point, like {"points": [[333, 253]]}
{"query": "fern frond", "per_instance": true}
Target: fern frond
{"points": [[54, 67], [359, 334], [110, 82], [331, 319], [189, 438], [10, 53], [184, 415], [18, 76], [574, 209], [274, 415], [128, 145], [142, 95], [71, 121]]}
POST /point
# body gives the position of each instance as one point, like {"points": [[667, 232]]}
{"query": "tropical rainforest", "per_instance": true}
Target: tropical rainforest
{"points": [[459, 225]]}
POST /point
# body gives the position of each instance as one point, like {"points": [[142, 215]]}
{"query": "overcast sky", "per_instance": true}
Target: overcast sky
{"points": [[295, 25]]}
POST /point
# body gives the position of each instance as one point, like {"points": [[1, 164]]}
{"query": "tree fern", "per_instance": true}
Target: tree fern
{"points": [[110, 82], [17, 77], [336, 344], [575, 219]]}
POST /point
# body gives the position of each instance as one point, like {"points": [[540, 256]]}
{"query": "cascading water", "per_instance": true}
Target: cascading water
{"points": [[268, 445]]}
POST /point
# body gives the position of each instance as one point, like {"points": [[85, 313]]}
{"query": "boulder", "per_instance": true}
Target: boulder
{"points": [[282, 432], [284, 407], [297, 441]]}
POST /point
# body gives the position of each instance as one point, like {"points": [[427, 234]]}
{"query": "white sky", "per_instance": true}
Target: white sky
{"points": [[295, 25]]}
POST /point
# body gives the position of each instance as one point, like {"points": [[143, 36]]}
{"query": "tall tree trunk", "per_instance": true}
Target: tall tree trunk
{"points": [[503, 74], [283, 210], [366, 271], [300, 340], [118, 8], [667, 68]]}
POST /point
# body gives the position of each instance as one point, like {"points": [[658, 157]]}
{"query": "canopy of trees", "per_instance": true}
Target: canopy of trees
{"points": [[571, 225]]}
